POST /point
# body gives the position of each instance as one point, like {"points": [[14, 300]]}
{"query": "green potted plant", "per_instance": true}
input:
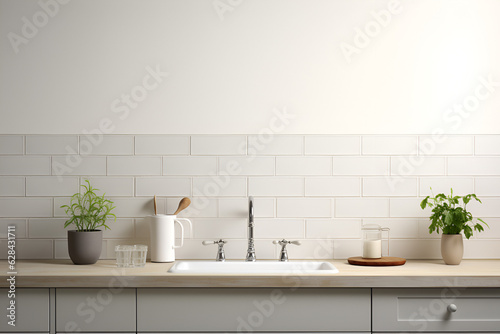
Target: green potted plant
{"points": [[450, 215], [87, 212]]}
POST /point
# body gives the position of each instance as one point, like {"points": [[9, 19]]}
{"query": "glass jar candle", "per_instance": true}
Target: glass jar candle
{"points": [[372, 241]]}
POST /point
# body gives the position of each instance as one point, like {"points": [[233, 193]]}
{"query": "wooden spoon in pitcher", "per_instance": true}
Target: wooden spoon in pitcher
{"points": [[154, 201], [184, 203]]}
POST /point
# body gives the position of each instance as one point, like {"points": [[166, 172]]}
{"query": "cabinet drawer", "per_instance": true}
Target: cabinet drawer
{"points": [[253, 310], [95, 310], [430, 310], [32, 310]]}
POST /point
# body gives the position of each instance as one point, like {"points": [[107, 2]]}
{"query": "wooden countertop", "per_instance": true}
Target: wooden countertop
{"points": [[415, 273]]}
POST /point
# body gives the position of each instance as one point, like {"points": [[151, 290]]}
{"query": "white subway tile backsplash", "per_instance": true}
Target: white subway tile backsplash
{"points": [[389, 145], [490, 207], [461, 185], [11, 144], [22, 165], [52, 144], [233, 207], [109, 145], [332, 145], [446, 145], [58, 201], [51, 228], [29, 249], [487, 145], [473, 166], [423, 229], [189, 165], [61, 249], [275, 186], [194, 250], [164, 186], [218, 145], [136, 207], [333, 228], [236, 250], [360, 165], [481, 249], [361, 207], [78, 165], [134, 166], [318, 189], [304, 207], [162, 145], [400, 228], [248, 165], [12, 186], [276, 145], [416, 248], [418, 165], [25, 207], [491, 232], [320, 249], [394, 185], [121, 228], [408, 207], [333, 186], [217, 228], [222, 185], [112, 186], [141, 226], [51, 185], [344, 248], [303, 166], [20, 227], [487, 186], [264, 207], [279, 228], [200, 207]]}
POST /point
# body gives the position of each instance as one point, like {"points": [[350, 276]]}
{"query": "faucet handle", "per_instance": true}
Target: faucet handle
{"points": [[221, 255], [209, 242], [286, 242], [283, 243]]}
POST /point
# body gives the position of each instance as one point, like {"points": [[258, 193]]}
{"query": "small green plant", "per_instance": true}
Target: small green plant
{"points": [[449, 213], [87, 210]]}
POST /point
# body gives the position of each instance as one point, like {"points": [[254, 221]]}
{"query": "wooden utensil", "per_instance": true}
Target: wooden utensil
{"points": [[156, 211], [383, 261], [184, 203]]}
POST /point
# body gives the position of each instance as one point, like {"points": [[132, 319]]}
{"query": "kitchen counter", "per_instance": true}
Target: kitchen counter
{"points": [[415, 273]]}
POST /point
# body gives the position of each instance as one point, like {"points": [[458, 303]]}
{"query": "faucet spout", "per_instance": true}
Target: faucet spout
{"points": [[251, 247]]}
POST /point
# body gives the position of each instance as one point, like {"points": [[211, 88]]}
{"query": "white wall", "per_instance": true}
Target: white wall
{"points": [[226, 75]]}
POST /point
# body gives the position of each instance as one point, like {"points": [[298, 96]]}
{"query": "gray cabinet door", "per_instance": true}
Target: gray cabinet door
{"points": [[253, 310], [31, 310], [436, 310], [95, 310]]}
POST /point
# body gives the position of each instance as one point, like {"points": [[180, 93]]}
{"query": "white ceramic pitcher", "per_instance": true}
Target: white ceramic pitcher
{"points": [[163, 236]]}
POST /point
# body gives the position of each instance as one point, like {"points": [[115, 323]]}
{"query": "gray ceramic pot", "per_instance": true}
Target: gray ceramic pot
{"points": [[84, 247], [452, 248]]}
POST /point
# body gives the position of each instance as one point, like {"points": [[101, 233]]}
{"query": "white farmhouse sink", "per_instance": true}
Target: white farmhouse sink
{"points": [[258, 267]]}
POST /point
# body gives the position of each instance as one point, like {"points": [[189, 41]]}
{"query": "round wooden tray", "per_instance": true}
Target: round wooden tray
{"points": [[383, 261]]}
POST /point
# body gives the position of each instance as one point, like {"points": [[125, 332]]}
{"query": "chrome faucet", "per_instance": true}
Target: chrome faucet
{"points": [[283, 243], [221, 255], [251, 247]]}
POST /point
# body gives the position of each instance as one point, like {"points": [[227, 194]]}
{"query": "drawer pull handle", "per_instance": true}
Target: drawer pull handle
{"points": [[452, 308]]}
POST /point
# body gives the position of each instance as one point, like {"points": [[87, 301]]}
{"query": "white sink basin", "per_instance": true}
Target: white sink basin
{"points": [[258, 267]]}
